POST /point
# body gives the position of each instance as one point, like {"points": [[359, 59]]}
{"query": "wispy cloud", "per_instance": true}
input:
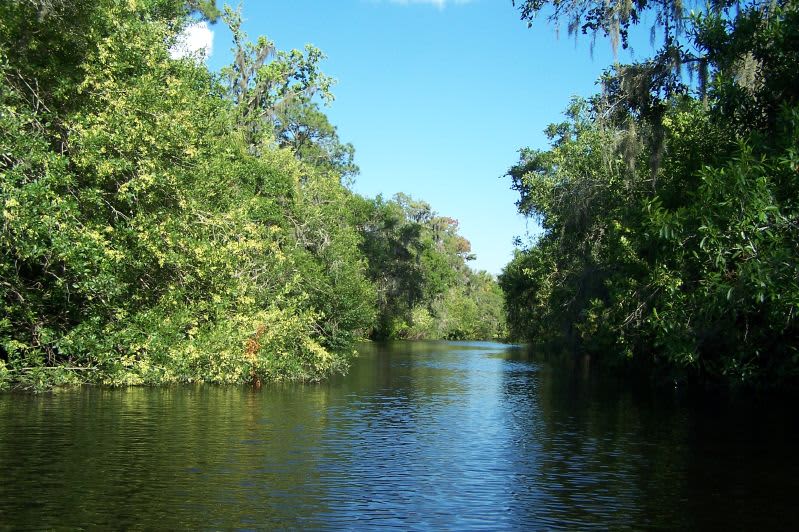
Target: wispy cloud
{"points": [[440, 4], [196, 40]]}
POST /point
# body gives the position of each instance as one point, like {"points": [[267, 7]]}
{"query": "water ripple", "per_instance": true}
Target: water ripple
{"points": [[419, 436]]}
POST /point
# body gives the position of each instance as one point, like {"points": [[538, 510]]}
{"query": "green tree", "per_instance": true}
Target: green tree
{"points": [[418, 262], [268, 86], [669, 213], [143, 239]]}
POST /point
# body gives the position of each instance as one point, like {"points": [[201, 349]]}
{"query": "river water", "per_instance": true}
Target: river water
{"points": [[419, 435]]}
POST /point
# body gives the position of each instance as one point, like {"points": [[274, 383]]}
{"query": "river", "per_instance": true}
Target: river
{"points": [[419, 435]]}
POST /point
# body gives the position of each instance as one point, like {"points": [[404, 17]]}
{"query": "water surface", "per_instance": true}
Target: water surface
{"points": [[418, 435]]}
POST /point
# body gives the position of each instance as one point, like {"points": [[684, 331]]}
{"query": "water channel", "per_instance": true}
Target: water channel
{"points": [[419, 435]]}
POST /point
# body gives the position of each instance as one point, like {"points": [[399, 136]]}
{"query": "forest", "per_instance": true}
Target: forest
{"points": [[668, 201], [162, 223], [214, 316]]}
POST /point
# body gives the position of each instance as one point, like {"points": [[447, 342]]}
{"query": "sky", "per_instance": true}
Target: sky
{"points": [[437, 96]]}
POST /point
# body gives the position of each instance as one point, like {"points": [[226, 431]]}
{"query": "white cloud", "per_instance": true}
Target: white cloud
{"points": [[197, 40], [440, 4]]}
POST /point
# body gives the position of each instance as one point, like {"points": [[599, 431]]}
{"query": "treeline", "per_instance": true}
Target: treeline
{"points": [[418, 264], [669, 201], [163, 223]]}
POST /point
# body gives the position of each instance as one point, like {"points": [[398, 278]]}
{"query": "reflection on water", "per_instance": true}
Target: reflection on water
{"points": [[419, 435]]}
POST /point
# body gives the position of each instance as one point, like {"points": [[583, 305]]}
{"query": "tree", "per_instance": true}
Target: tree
{"points": [[689, 268], [418, 262], [267, 83], [612, 19], [143, 239]]}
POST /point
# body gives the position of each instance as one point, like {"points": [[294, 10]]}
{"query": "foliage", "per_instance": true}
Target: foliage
{"points": [[612, 19], [418, 262], [164, 224], [691, 266], [142, 242], [268, 85]]}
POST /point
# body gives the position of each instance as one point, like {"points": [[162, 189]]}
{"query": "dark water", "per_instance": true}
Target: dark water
{"points": [[419, 435]]}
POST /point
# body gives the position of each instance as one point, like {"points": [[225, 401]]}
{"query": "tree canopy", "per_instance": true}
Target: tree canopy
{"points": [[163, 223], [670, 216]]}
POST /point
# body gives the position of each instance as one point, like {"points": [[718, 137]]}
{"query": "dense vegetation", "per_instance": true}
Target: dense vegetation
{"points": [[162, 223], [669, 201]]}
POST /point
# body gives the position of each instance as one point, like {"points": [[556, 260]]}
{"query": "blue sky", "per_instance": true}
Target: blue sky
{"points": [[437, 96]]}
